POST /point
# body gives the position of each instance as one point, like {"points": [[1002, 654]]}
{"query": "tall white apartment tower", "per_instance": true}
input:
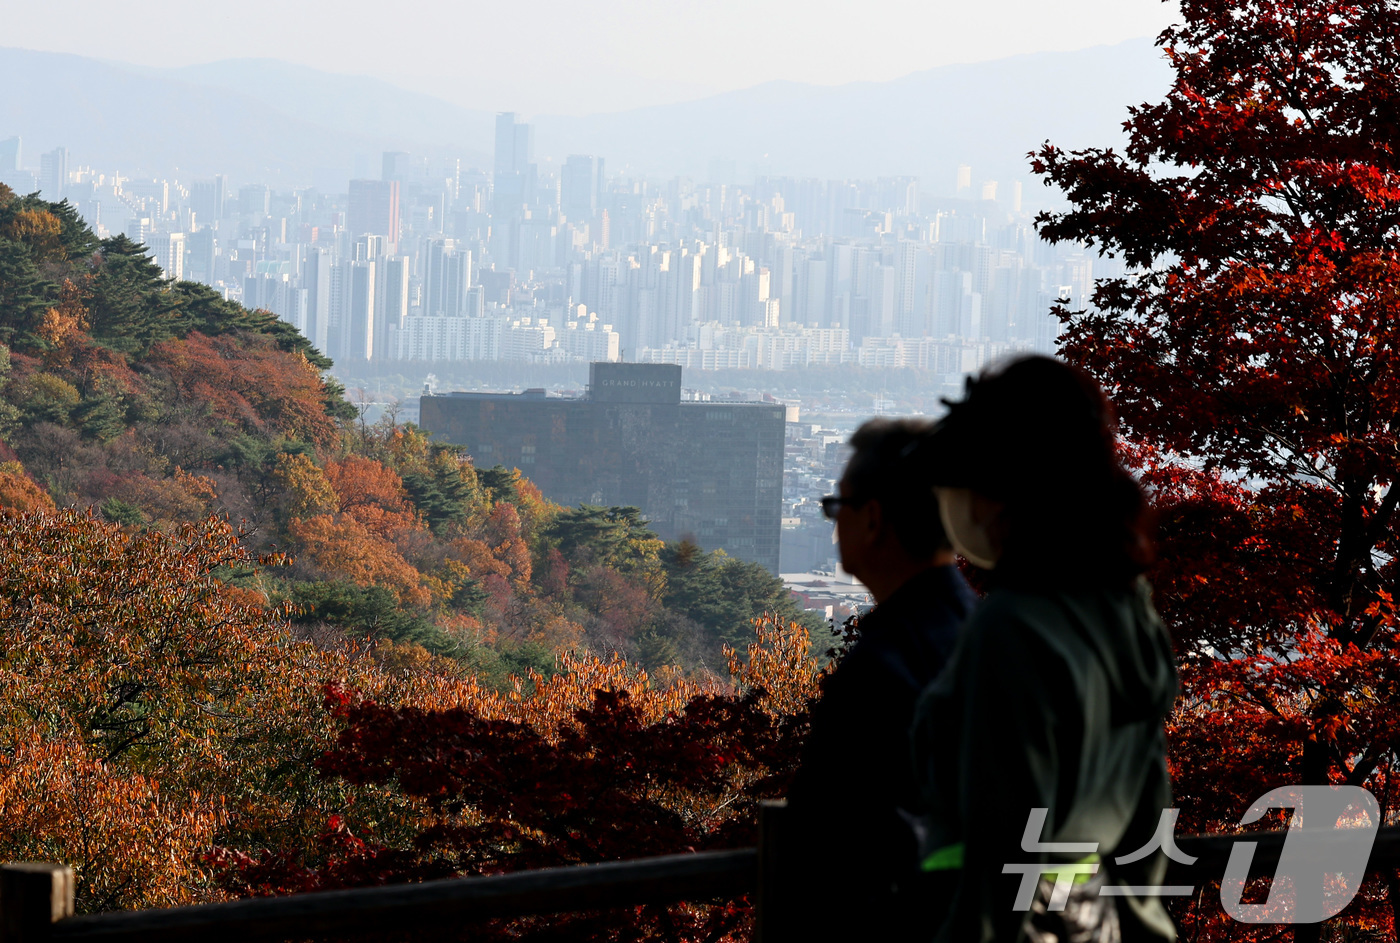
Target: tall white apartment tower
{"points": [[391, 307], [515, 144], [53, 173], [316, 279], [360, 311], [9, 155], [168, 251]]}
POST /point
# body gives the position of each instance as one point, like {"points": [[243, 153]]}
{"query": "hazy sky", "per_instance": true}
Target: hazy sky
{"points": [[580, 56]]}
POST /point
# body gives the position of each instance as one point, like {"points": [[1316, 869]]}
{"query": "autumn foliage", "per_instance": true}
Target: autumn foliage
{"points": [[246, 384], [149, 709], [158, 403], [237, 622], [163, 728], [599, 763], [1253, 356], [400, 665]]}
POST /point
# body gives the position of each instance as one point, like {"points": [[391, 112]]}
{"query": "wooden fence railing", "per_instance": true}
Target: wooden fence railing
{"points": [[36, 900]]}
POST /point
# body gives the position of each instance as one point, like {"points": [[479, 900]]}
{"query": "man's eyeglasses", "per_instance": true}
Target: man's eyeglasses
{"points": [[832, 504]]}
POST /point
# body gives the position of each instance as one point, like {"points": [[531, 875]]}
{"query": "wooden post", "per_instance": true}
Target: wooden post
{"points": [[32, 898], [773, 897]]}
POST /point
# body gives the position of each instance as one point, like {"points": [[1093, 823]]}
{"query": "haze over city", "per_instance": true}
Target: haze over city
{"points": [[552, 57], [735, 471], [791, 201]]}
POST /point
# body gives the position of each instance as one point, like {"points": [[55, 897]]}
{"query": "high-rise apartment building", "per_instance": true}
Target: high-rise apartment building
{"points": [[10, 155], [472, 338], [709, 471], [360, 310], [316, 276], [278, 293], [515, 144], [138, 229], [447, 277], [202, 252], [513, 183], [368, 246], [580, 186], [168, 251], [53, 173], [391, 306], [374, 208], [207, 199]]}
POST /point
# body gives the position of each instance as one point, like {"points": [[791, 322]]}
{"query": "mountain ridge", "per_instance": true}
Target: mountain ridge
{"points": [[922, 124], [288, 124]]}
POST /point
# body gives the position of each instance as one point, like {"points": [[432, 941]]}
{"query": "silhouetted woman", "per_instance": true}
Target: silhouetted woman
{"points": [[1055, 695]]}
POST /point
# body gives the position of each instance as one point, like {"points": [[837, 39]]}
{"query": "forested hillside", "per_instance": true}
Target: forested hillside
{"points": [[155, 403], [237, 624]]}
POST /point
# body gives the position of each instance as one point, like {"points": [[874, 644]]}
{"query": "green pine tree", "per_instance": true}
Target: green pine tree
{"points": [[440, 494], [121, 512], [100, 415], [724, 595], [77, 239], [24, 294], [131, 306]]}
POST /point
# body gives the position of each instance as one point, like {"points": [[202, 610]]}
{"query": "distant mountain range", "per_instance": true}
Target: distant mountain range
{"points": [[262, 119], [253, 119], [988, 115]]}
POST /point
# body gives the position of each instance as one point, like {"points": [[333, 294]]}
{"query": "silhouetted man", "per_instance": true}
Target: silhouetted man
{"points": [[856, 852]]}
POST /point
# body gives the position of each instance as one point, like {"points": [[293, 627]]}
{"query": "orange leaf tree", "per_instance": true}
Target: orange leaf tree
{"points": [[149, 711]]}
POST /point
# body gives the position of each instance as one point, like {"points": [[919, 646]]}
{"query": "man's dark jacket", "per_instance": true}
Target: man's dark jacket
{"points": [[853, 847]]}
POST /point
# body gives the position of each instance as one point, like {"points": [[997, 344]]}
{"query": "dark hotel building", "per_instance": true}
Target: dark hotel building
{"points": [[711, 471]]}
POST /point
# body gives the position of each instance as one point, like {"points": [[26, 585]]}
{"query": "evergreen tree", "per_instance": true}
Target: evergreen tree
{"points": [[206, 311], [371, 610], [337, 406], [499, 481], [440, 493], [9, 415], [614, 537], [100, 415], [655, 650], [76, 238], [24, 293], [131, 306], [121, 512], [724, 595]]}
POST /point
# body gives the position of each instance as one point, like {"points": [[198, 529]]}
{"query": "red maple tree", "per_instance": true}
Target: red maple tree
{"points": [[598, 763], [1253, 355]]}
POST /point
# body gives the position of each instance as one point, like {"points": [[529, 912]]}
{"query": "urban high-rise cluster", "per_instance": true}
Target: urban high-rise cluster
{"points": [[546, 262]]}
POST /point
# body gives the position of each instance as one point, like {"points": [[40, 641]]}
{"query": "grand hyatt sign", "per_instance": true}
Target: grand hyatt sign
{"points": [[653, 383], [663, 383]]}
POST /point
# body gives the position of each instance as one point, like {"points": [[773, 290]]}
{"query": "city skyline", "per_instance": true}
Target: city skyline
{"points": [[550, 58], [432, 260], [509, 250]]}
